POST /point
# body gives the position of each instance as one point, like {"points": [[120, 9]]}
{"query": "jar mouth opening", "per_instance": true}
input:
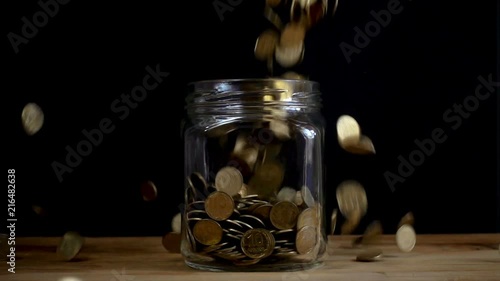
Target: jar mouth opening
{"points": [[267, 90]]}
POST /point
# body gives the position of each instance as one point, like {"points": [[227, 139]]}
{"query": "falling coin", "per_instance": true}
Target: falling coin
{"points": [[229, 180], [363, 146], [369, 255], [70, 245], [407, 219], [257, 243], [176, 223], [351, 197], [207, 232], [286, 194], [148, 191], [32, 118], [406, 238], [372, 233], [288, 56], [219, 205], [266, 44], [348, 131], [172, 242], [306, 240]]}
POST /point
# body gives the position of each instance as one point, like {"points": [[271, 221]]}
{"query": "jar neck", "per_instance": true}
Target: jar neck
{"points": [[260, 97]]}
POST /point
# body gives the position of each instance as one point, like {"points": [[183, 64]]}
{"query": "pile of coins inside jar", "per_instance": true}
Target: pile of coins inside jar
{"points": [[246, 212]]}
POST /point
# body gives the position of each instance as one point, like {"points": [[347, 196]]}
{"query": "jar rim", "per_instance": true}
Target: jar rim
{"points": [[215, 84]]}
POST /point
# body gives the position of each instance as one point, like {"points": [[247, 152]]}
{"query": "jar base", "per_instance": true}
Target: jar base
{"points": [[282, 267]]}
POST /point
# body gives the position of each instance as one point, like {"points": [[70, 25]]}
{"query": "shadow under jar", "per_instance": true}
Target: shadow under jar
{"points": [[253, 153]]}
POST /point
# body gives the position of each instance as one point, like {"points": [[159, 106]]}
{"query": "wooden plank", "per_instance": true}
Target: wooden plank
{"points": [[435, 257]]}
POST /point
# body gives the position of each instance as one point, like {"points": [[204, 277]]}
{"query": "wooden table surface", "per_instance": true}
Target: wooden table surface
{"points": [[435, 257]]}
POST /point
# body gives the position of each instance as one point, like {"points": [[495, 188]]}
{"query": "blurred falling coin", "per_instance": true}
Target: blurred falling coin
{"points": [[351, 197], [369, 255], [149, 191], [70, 245], [288, 56], [272, 17], [32, 118], [407, 219], [363, 146], [266, 44], [284, 215], [348, 131], [273, 3], [351, 223], [172, 242], [229, 180], [176, 223], [406, 238], [372, 233]]}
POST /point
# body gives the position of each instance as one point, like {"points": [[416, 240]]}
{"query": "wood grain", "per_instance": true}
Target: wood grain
{"points": [[435, 257]]}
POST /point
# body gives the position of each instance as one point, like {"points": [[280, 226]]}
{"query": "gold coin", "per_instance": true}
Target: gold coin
{"points": [[299, 200], [263, 212], [351, 197], [307, 196], [406, 238], [32, 118], [266, 180], [280, 129], [284, 215], [372, 233], [333, 221], [292, 35], [351, 223], [316, 11], [286, 194], [176, 223], [272, 17], [348, 131], [229, 180], [369, 255], [219, 205], [172, 242], [364, 145], [407, 219], [266, 44], [70, 245], [293, 76], [288, 56], [257, 243], [148, 191], [306, 240], [308, 217], [207, 232]]}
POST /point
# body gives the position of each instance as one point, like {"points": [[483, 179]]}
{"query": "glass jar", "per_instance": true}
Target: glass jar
{"points": [[253, 153]]}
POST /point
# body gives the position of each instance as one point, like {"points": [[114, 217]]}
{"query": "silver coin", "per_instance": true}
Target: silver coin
{"points": [[406, 238], [176, 223], [286, 194], [307, 196]]}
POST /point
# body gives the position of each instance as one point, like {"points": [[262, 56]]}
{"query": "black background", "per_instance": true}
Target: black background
{"points": [[398, 87]]}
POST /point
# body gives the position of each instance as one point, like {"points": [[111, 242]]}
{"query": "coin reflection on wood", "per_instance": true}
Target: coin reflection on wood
{"points": [[32, 118], [148, 191], [70, 245]]}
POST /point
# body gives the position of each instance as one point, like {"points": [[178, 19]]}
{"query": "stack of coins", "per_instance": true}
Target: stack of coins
{"points": [[250, 210]]}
